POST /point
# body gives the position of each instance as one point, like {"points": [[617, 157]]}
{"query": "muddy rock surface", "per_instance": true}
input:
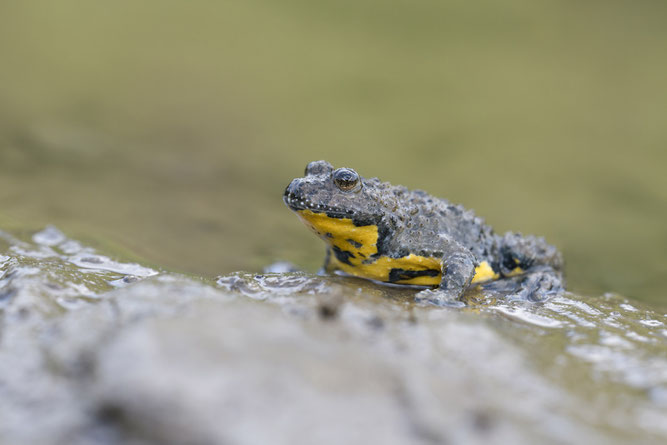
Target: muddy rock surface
{"points": [[99, 351]]}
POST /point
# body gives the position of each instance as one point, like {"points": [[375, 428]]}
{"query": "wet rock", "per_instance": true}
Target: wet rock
{"points": [[120, 354]]}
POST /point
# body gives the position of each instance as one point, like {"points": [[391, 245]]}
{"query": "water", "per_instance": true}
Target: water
{"points": [[100, 350]]}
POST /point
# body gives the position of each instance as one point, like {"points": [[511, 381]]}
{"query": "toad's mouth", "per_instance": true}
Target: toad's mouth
{"points": [[297, 201]]}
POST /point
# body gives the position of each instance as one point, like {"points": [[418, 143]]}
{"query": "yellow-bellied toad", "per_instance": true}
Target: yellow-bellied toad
{"points": [[388, 233]]}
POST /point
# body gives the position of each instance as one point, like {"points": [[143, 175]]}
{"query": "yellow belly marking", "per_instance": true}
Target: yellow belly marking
{"points": [[341, 230], [484, 272], [361, 241]]}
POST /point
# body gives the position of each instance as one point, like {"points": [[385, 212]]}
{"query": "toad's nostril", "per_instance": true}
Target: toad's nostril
{"points": [[293, 194], [293, 187]]}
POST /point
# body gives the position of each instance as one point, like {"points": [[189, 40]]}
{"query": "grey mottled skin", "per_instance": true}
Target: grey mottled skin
{"points": [[412, 221]]}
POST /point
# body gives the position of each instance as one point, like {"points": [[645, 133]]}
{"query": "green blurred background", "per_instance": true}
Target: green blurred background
{"points": [[169, 129]]}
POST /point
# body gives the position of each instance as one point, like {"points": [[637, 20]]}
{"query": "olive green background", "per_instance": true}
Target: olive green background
{"points": [[169, 129]]}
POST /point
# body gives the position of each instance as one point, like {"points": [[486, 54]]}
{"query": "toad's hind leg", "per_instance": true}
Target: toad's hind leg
{"points": [[539, 263]]}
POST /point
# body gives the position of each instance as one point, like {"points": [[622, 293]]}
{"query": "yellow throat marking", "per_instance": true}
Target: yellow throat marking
{"points": [[361, 243]]}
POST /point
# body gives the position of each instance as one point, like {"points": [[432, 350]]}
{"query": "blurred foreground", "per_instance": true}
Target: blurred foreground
{"points": [[96, 351]]}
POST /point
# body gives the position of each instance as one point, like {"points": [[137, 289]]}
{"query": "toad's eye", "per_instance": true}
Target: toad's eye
{"points": [[345, 179]]}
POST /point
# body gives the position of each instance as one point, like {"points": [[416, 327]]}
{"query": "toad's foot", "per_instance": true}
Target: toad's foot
{"points": [[439, 297], [540, 284]]}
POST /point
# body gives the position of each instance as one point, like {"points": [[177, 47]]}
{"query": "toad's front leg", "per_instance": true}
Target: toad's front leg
{"points": [[458, 270]]}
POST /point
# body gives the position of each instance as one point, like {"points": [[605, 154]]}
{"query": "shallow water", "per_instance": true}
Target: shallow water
{"points": [[97, 350]]}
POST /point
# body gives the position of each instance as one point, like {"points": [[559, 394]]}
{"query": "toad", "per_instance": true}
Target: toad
{"points": [[388, 233]]}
